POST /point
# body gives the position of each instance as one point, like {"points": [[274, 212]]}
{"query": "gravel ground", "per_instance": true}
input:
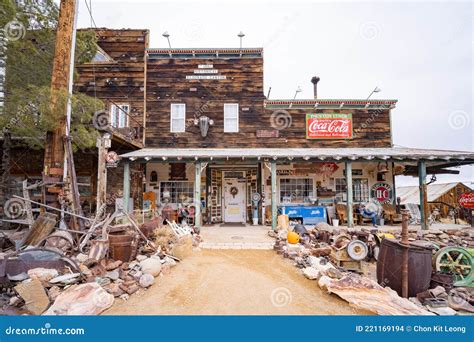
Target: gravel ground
{"points": [[233, 282]]}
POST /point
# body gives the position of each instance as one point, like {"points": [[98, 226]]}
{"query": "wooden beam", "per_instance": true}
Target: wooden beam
{"points": [[197, 194], [350, 217], [102, 149], [274, 194], [126, 185], [423, 195]]}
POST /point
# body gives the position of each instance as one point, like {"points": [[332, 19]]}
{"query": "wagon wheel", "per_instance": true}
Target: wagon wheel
{"points": [[454, 260]]}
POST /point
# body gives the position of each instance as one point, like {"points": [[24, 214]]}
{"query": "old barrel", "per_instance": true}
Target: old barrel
{"points": [[122, 246], [389, 267]]}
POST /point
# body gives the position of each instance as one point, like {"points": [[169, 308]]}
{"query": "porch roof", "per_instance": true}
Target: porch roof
{"points": [[328, 154]]}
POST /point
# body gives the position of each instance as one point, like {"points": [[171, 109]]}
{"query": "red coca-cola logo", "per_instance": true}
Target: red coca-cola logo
{"points": [[467, 200], [329, 126]]}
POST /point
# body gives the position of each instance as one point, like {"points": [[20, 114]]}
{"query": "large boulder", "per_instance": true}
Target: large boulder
{"points": [[151, 266], [146, 280], [84, 299], [311, 273]]}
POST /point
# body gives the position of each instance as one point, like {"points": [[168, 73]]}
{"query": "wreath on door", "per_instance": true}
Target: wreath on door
{"points": [[234, 191]]}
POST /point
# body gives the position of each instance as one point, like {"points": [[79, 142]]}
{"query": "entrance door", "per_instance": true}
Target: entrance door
{"points": [[234, 200]]}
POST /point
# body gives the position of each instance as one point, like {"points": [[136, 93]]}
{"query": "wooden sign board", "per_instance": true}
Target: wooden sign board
{"points": [[329, 126], [466, 200], [268, 133]]}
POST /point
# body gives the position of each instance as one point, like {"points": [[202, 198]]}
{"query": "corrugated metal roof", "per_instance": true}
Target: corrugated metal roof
{"points": [[392, 153], [411, 194]]}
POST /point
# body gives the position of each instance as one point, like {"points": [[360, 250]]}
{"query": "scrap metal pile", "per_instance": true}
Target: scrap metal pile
{"points": [[52, 271], [364, 267]]}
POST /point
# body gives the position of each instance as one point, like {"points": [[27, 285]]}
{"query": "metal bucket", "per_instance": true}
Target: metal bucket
{"points": [[122, 247], [389, 267]]}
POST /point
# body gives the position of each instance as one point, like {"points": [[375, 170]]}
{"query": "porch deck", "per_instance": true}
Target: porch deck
{"points": [[238, 237], [256, 237]]}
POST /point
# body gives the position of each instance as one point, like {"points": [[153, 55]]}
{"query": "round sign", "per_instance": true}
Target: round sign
{"points": [[256, 197], [466, 200], [112, 157], [382, 192]]}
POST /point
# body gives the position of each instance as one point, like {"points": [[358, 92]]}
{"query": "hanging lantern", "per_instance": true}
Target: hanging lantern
{"points": [[382, 167]]}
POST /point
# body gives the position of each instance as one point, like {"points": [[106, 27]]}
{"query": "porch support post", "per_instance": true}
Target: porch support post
{"points": [[423, 195], [274, 194], [350, 217], [197, 194], [126, 185]]}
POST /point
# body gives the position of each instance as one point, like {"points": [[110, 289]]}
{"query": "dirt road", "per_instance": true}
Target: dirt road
{"points": [[226, 282]]}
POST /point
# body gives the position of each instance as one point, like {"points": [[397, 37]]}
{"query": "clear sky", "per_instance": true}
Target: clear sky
{"points": [[417, 52]]}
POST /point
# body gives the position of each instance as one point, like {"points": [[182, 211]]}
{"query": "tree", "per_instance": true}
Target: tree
{"points": [[29, 59]]}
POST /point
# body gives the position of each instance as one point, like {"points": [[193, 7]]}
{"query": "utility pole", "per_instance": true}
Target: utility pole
{"points": [[59, 175], [54, 150]]}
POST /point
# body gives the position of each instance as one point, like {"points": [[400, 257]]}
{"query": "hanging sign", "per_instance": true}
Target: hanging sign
{"points": [[112, 159], [382, 192], [329, 126], [466, 200]]}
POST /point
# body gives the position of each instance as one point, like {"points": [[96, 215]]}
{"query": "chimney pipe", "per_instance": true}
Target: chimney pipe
{"points": [[315, 81]]}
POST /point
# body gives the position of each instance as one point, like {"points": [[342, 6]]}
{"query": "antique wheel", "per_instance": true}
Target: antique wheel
{"points": [[455, 260], [357, 250]]}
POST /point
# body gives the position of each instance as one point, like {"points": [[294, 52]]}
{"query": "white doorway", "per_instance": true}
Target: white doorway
{"points": [[235, 204]]}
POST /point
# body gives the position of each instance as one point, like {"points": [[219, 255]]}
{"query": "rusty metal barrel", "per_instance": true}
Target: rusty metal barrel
{"points": [[389, 267]]}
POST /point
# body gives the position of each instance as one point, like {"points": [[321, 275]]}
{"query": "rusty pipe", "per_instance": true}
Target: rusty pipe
{"points": [[405, 244]]}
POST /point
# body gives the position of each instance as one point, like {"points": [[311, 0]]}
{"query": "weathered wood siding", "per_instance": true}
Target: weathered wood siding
{"points": [[123, 79], [167, 84], [371, 128]]}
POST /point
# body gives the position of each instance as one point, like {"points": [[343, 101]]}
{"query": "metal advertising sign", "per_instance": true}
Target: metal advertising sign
{"points": [[112, 159], [329, 126], [467, 200], [382, 192]]}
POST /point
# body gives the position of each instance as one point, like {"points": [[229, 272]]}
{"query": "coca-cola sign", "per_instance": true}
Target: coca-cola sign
{"points": [[329, 126], [466, 200]]}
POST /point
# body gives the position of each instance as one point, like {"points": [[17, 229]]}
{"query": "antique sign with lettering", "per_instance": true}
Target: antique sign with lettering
{"points": [[382, 192], [328, 126], [467, 200]]}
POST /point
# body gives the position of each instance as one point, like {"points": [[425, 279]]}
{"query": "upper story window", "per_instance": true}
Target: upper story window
{"points": [[178, 118], [231, 117], [119, 115]]}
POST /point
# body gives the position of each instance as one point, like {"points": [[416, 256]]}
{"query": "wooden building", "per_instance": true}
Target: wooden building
{"points": [[195, 123], [215, 143], [443, 197]]}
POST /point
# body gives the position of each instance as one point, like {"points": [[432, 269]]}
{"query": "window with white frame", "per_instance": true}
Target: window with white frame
{"points": [[119, 115], [360, 189], [178, 118], [231, 117], [296, 190], [177, 192]]}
